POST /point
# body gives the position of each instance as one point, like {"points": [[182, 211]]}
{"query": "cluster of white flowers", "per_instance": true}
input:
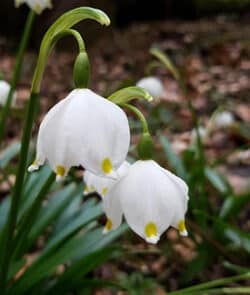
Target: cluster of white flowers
{"points": [[220, 120], [4, 92], [37, 5], [150, 197], [88, 130]]}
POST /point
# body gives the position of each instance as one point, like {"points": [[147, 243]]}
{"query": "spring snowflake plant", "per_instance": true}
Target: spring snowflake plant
{"points": [[88, 130]]}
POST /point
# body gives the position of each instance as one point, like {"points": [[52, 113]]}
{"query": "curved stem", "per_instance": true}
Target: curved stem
{"points": [[43, 55], [211, 284], [17, 71], [139, 114]]}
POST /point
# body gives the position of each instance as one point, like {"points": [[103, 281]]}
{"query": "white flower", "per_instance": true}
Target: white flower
{"points": [[202, 132], [37, 5], [222, 119], [102, 185], [83, 129], [153, 85], [4, 92], [151, 199]]}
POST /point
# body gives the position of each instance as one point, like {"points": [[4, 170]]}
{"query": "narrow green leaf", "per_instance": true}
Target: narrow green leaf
{"points": [[73, 226], [32, 186], [72, 278], [166, 61], [240, 239], [77, 247], [233, 205], [15, 267], [173, 159], [217, 181], [127, 94], [8, 154], [52, 210]]}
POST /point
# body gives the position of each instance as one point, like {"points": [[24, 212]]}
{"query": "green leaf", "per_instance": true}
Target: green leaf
{"points": [[68, 214], [240, 239], [72, 227], [77, 247], [173, 159], [55, 206], [198, 264], [8, 154], [233, 205], [166, 61], [4, 209], [127, 94], [15, 267], [217, 181], [72, 278], [32, 186]]}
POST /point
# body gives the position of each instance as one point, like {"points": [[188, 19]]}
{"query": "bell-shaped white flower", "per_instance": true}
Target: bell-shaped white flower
{"points": [[151, 199], [37, 5], [83, 129], [203, 132], [153, 85], [100, 184], [222, 120], [4, 92]]}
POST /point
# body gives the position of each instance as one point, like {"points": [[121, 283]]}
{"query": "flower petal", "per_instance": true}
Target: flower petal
{"points": [[113, 211], [102, 185], [37, 5], [4, 92]]}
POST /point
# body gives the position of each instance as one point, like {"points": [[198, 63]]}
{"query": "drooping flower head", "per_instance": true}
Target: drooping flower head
{"points": [[37, 5], [4, 92], [151, 199], [222, 120], [102, 185], [83, 129], [153, 85]]}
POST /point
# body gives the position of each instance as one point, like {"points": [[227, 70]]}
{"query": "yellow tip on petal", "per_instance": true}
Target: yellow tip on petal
{"points": [[104, 191], [60, 172], [106, 166], [34, 166], [38, 8], [151, 233], [86, 190], [182, 228], [150, 229], [89, 189], [108, 226]]}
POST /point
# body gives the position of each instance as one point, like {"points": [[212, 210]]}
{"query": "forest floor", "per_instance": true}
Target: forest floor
{"points": [[214, 56]]}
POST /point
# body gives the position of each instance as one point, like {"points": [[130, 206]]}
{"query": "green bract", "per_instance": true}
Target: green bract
{"points": [[126, 94]]}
